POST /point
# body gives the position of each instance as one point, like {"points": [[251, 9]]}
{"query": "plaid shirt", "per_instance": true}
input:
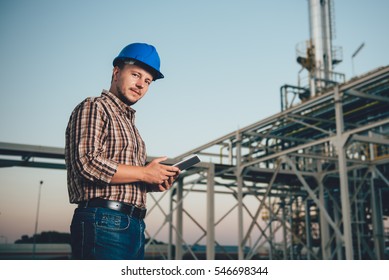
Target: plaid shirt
{"points": [[101, 134]]}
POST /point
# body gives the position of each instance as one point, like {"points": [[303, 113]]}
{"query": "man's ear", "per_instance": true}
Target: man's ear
{"points": [[115, 73]]}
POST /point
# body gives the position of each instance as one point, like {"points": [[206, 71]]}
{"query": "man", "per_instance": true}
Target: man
{"points": [[106, 163]]}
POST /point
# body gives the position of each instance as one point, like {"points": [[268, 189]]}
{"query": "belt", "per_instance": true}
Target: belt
{"points": [[127, 209]]}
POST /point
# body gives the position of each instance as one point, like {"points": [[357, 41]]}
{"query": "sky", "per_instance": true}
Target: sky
{"points": [[224, 62]]}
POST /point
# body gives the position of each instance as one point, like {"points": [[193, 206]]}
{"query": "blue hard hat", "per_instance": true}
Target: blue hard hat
{"points": [[143, 55]]}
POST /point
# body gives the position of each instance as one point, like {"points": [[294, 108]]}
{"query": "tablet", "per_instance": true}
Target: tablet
{"points": [[188, 162]]}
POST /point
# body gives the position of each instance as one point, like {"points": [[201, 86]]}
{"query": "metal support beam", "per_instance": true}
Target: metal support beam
{"points": [[239, 180], [376, 212], [366, 96], [211, 212], [377, 218], [284, 230], [308, 227], [344, 190], [324, 226], [179, 220]]}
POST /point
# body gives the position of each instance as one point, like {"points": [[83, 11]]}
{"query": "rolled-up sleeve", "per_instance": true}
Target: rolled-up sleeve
{"points": [[87, 133]]}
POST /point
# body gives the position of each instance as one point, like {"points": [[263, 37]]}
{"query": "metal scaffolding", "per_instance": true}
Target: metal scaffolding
{"points": [[311, 182]]}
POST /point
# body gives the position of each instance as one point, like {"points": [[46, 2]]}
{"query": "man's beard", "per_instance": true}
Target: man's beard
{"points": [[123, 98]]}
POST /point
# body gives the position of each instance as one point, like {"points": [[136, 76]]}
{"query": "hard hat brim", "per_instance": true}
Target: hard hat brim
{"points": [[154, 72]]}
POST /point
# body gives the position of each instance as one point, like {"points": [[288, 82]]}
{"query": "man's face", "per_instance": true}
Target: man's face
{"points": [[131, 83]]}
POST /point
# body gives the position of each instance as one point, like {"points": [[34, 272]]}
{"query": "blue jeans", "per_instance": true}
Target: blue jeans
{"points": [[105, 234]]}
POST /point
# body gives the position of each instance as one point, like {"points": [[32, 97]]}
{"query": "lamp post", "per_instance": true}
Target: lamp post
{"points": [[36, 218], [354, 54]]}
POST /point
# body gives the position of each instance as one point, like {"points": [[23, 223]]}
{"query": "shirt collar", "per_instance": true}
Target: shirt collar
{"points": [[123, 107]]}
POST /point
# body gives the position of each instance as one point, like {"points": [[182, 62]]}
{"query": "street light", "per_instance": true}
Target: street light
{"points": [[36, 219], [354, 54]]}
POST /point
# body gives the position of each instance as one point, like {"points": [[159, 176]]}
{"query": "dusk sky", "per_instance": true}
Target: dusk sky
{"points": [[224, 62]]}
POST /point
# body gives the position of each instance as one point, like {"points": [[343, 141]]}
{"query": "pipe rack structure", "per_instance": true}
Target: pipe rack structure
{"points": [[311, 182]]}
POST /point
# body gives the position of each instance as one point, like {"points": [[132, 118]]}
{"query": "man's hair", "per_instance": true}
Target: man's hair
{"points": [[120, 64]]}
